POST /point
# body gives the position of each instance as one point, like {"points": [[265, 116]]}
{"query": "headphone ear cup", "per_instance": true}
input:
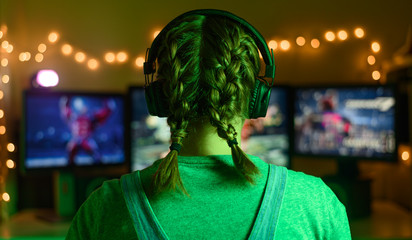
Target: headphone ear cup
{"points": [[259, 100], [156, 100]]}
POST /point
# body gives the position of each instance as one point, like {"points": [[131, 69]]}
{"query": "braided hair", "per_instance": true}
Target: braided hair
{"points": [[213, 63]]}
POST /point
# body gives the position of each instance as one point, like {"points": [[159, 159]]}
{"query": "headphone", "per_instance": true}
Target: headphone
{"points": [[260, 95]]}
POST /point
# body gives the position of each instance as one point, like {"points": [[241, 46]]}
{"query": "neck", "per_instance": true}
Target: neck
{"points": [[203, 140]]}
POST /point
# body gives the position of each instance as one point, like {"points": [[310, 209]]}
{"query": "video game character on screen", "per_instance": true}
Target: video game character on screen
{"points": [[82, 123]]}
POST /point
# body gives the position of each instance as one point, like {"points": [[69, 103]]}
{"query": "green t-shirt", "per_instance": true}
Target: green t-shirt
{"points": [[222, 205]]}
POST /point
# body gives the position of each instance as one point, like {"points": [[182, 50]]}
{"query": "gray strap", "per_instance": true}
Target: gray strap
{"points": [[139, 208], [267, 219]]}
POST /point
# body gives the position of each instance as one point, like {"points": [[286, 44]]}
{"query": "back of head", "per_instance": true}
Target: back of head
{"points": [[208, 66]]}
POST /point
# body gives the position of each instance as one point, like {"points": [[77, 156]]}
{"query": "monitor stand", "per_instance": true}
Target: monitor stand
{"points": [[353, 190], [64, 198]]}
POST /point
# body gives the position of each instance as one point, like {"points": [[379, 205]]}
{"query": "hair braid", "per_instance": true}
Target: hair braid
{"points": [[179, 67], [234, 67]]}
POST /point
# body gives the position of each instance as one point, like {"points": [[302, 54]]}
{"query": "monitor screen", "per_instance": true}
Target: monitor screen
{"points": [[345, 122], [266, 137], [63, 129]]}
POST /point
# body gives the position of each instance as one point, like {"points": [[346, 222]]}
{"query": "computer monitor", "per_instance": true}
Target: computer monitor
{"points": [[345, 122], [71, 129], [266, 138]]}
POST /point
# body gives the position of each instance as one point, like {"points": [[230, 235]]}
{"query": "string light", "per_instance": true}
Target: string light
{"points": [[80, 57], [284, 45], [11, 147], [67, 49], [371, 60], [93, 64], [9, 48], [273, 44], [156, 33], [53, 37], [4, 62], [6, 197], [330, 36], [110, 57], [5, 44], [42, 48], [1, 113], [5, 78], [121, 57], [315, 43], [376, 47], [1, 34], [359, 33], [300, 41], [342, 35], [39, 57], [405, 156], [139, 61], [1, 94], [10, 163], [2, 130], [376, 75]]}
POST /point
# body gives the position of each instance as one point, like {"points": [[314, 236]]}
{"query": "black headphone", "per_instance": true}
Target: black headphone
{"points": [[260, 94]]}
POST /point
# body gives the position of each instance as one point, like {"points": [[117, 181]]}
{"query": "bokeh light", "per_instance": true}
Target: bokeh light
{"points": [[5, 78], [330, 36], [359, 32], [273, 44], [376, 75], [67, 49], [121, 57], [2, 130], [53, 37], [4, 62], [42, 48], [39, 57], [371, 60], [6, 197], [342, 35], [315, 43], [284, 45], [139, 61], [300, 41], [10, 163], [80, 57], [47, 78], [376, 47], [11, 147], [93, 64], [110, 57]]}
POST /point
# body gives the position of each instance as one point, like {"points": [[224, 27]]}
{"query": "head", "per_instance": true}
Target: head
{"points": [[207, 66]]}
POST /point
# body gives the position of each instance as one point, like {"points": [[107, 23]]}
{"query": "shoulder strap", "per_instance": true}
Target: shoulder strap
{"points": [[140, 211], [267, 219]]}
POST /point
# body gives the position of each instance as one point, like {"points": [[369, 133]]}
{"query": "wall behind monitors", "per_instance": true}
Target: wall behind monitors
{"points": [[70, 129], [266, 138], [345, 122]]}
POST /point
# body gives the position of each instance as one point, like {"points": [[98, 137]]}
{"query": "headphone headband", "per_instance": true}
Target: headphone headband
{"points": [[151, 55]]}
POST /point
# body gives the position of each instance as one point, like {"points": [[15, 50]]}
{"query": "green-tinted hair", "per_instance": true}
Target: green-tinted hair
{"points": [[209, 66]]}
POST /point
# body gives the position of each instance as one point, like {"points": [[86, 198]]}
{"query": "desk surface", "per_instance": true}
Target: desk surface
{"points": [[388, 221]]}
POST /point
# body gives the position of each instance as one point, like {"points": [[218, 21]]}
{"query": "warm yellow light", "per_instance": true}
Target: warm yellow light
{"points": [[1, 113], [300, 41], [67, 49], [9, 48], [5, 78], [155, 34], [39, 57], [93, 64], [53, 37], [342, 35], [1, 94], [1, 34], [10, 163], [330, 36], [4, 62], [139, 61], [11, 147], [80, 57], [110, 57], [371, 60], [6, 197], [315, 43], [284, 45], [42, 48], [359, 33], [5, 44], [376, 75], [405, 156], [24, 56], [121, 57], [273, 44], [376, 47], [2, 130]]}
